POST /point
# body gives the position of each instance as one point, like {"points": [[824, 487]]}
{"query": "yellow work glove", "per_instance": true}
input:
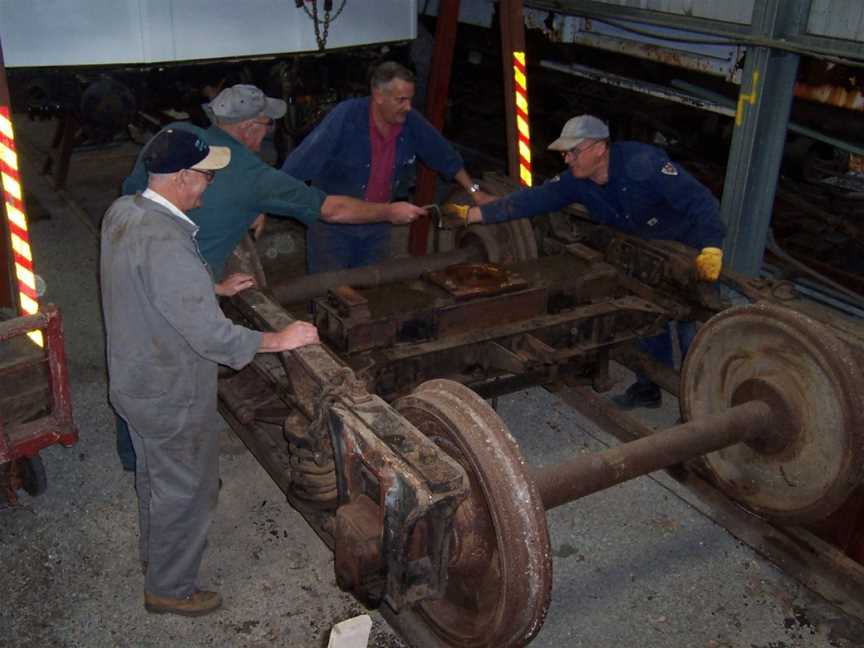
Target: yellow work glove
{"points": [[708, 264], [454, 215]]}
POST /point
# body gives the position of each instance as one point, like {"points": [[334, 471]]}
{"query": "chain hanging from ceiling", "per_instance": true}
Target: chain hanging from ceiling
{"points": [[322, 27]]}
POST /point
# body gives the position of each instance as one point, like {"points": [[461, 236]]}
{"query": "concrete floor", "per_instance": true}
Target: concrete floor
{"points": [[635, 566]]}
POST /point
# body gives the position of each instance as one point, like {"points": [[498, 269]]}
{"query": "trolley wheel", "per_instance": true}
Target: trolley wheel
{"points": [[508, 242], [797, 365], [34, 479], [500, 572]]}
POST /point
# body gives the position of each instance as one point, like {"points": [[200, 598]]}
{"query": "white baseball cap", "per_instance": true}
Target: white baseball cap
{"points": [[577, 130]]}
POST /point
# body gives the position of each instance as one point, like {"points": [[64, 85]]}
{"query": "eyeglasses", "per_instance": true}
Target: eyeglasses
{"points": [[267, 124], [210, 175], [576, 151]]}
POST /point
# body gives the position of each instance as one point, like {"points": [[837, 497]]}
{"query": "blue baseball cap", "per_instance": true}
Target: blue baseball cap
{"points": [[172, 150]]}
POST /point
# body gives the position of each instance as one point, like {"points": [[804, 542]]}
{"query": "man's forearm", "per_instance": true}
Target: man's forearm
{"points": [[467, 183], [345, 209], [463, 179]]}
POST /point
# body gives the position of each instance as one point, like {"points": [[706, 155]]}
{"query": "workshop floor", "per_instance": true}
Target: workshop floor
{"points": [[634, 566]]}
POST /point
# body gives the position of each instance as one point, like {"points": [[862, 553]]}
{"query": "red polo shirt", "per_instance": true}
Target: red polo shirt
{"points": [[383, 149]]}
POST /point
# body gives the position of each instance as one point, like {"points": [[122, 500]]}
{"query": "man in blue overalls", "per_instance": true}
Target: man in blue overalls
{"points": [[632, 187]]}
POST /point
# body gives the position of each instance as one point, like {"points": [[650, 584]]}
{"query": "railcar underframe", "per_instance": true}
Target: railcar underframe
{"points": [[381, 437]]}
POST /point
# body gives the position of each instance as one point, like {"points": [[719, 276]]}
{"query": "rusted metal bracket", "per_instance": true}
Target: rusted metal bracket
{"points": [[387, 467]]}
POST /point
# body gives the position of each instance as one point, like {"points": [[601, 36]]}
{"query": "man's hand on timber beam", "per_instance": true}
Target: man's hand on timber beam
{"points": [[293, 336], [233, 284]]}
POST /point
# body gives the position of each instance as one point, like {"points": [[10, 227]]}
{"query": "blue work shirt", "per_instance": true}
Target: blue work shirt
{"points": [[239, 192], [336, 158], [647, 195]]}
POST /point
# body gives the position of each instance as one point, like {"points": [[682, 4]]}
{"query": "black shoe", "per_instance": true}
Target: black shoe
{"points": [[128, 467], [639, 395]]}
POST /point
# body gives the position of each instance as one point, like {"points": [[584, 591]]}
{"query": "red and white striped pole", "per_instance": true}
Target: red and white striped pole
{"points": [[512, 20], [520, 89], [13, 208]]}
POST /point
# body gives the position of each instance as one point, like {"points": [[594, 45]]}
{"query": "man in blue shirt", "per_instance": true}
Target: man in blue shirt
{"points": [[632, 187], [366, 148]]}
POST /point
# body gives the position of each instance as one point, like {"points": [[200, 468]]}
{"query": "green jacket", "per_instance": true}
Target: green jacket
{"points": [[240, 191]]}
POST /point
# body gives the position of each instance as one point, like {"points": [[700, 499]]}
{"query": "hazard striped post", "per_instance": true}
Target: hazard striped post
{"points": [[520, 90], [13, 210], [512, 21]]}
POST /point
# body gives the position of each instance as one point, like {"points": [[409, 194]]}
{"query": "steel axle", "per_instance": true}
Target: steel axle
{"points": [[569, 480]]}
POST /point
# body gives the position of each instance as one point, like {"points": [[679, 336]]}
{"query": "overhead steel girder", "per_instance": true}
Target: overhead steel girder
{"points": [[793, 36], [602, 10]]}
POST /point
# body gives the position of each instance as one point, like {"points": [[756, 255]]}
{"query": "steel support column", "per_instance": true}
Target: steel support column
{"points": [[761, 122], [511, 18], [436, 108]]}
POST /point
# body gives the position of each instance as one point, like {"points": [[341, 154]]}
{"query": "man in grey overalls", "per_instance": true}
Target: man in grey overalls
{"points": [[166, 339]]}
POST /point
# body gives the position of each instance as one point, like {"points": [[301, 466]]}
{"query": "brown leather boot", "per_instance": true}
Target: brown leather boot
{"points": [[198, 604]]}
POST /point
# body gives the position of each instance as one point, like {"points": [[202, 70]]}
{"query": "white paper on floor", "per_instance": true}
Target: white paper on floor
{"points": [[352, 633]]}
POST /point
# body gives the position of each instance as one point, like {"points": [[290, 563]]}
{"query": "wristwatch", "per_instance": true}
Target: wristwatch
{"points": [[474, 188]]}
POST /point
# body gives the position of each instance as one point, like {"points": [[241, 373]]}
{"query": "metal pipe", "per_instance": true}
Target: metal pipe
{"points": [[819, 294], [586, 474], [654, 370], [309, 286], [851, 296]]}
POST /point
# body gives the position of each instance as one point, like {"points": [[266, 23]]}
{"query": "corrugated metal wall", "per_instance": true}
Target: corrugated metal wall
{"points": [[109, 32], [837, 19], [736, 11]]}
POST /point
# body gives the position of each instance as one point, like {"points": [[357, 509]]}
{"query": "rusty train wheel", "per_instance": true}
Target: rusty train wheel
{"points": [[500, 571], [796, 364]]}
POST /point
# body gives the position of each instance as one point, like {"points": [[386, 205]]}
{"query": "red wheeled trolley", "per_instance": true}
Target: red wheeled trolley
{"points": [[35, 406]]}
